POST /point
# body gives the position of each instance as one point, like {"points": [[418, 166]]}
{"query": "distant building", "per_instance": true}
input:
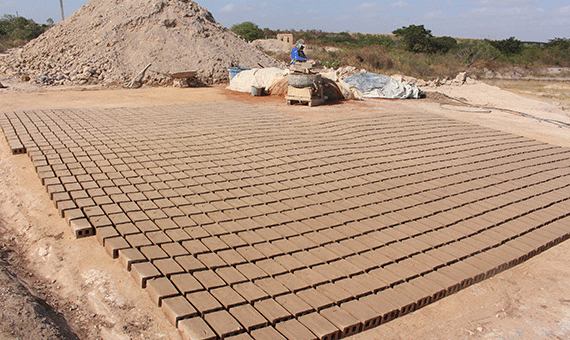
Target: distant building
{"points": [[286, 37]]}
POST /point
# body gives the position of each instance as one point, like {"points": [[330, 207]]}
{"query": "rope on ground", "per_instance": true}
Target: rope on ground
{"points": [[489, 108]]}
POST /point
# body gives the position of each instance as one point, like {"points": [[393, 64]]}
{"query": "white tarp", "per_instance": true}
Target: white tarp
{"points": [[258, 77], [379, 86]]}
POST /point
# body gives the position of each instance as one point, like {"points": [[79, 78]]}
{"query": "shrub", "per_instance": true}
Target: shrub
{"points": [[248, 30]]}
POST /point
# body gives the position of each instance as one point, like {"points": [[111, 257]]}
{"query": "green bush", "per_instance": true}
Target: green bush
{"points": [[248, 30]]}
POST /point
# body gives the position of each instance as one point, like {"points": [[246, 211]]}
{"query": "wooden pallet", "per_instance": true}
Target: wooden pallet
{"points": [[305, 95]]}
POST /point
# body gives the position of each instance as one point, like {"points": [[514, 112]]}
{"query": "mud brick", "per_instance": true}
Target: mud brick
{"points": [[286, 246], [177, 235], [63, 206], [435, 290], [159, 289], [230, 275], [315, 299], [320, 326], [292, 282], [168, 266], [334, 292], [137, 240], [227, 296], [272, 311], [271, 267], [223, 323], [129, 256], [204, 302], [249, 317], [450, 285], [367, 317], [189, 263], [419, 295], [209, 279], [266, 333], [144, 271], [231, 257], [353, 287], [211, 260], [81, 228], [289, 262], [114, 244], [153, 252], [250, 291], [233, 241], [196, 329], [174, 249], [347, 268], [214, 243], [127, 229], [104, 233], [177, 308], [293, 329], [384, 308], [307, 258], [324, 254], [146, 226], [251, 271], [186, 283], [310, 276], [271, 286], [195, 247], [303, 243], [328, 272]]}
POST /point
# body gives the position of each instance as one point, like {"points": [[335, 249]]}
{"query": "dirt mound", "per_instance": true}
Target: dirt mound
{"points": [[111, 41], [272, 45]]}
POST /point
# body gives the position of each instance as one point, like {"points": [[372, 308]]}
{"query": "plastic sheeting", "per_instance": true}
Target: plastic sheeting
{"points": [[258, 77], [373, 85]]}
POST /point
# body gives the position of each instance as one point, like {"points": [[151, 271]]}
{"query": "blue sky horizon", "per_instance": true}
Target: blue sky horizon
{"points": [[526, 20]]}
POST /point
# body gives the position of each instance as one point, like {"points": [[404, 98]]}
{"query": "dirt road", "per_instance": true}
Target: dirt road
{"points": [[90, 296]]}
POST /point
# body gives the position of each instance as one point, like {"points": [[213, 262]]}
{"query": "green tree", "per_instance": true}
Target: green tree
{"points": [[508, 46], [15, 27], [248, 30], [443, 44], [416, 38]]}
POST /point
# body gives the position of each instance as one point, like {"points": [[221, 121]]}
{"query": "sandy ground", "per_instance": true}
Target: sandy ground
{"points": [[51, 287]]}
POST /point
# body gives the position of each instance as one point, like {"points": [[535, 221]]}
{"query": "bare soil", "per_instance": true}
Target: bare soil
{"points": [[53, 286]]}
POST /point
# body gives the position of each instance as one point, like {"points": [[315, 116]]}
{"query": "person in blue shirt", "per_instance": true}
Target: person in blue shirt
{"points": [[297, 53]]}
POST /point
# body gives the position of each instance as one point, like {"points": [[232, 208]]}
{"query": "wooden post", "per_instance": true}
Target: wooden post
{"points": [[61, 5]]}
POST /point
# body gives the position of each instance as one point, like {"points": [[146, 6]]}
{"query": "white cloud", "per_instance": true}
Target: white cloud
{"points": [[228, 8], [399, 4], [366, 6], [433, 14]]}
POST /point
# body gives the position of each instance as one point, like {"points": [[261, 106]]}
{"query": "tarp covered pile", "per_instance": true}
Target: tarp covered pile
{"points": [[357, 86]]}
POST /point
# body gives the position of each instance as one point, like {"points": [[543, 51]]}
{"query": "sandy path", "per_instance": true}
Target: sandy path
{"points": [[100, 299]]}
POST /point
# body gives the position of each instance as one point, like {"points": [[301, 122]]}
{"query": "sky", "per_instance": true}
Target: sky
{"points": [[526, 20]]}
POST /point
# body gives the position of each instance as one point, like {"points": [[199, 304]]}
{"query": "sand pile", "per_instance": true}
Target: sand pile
{"points": [[111, 41]]}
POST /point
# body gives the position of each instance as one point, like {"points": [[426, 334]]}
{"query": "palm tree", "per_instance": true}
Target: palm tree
{"points": [[61, 5]]}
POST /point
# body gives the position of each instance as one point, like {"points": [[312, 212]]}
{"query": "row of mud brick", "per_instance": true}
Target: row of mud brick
{"points": [[247, 223]]}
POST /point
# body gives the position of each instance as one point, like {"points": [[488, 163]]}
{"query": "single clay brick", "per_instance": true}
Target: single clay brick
{"points": [[104, 233], [329, 272], [209, 279], [367, 317], [266, 333], [186, 283], [189, 263], [143, 271], [294, 304], [271, 286], [196, 329], [385, 309], [114, 244], [153, 252], [223, 323], [203, 301], [292, 282], [159, 289], [293, 329], [310, 276], [138, 240], [272, 311], [248, 316], [251, 271], [168, 267], [227, 296], [334, 292], [211, 260], [230, 275], [406, 303], [271, 267], [250, 291], [174, 249], [320, 326], [251, 254], [314, 298], [129, 256]]}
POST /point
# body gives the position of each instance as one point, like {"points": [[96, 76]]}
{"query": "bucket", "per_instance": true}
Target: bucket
{"points": [[257, 91], [235, 70]]}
